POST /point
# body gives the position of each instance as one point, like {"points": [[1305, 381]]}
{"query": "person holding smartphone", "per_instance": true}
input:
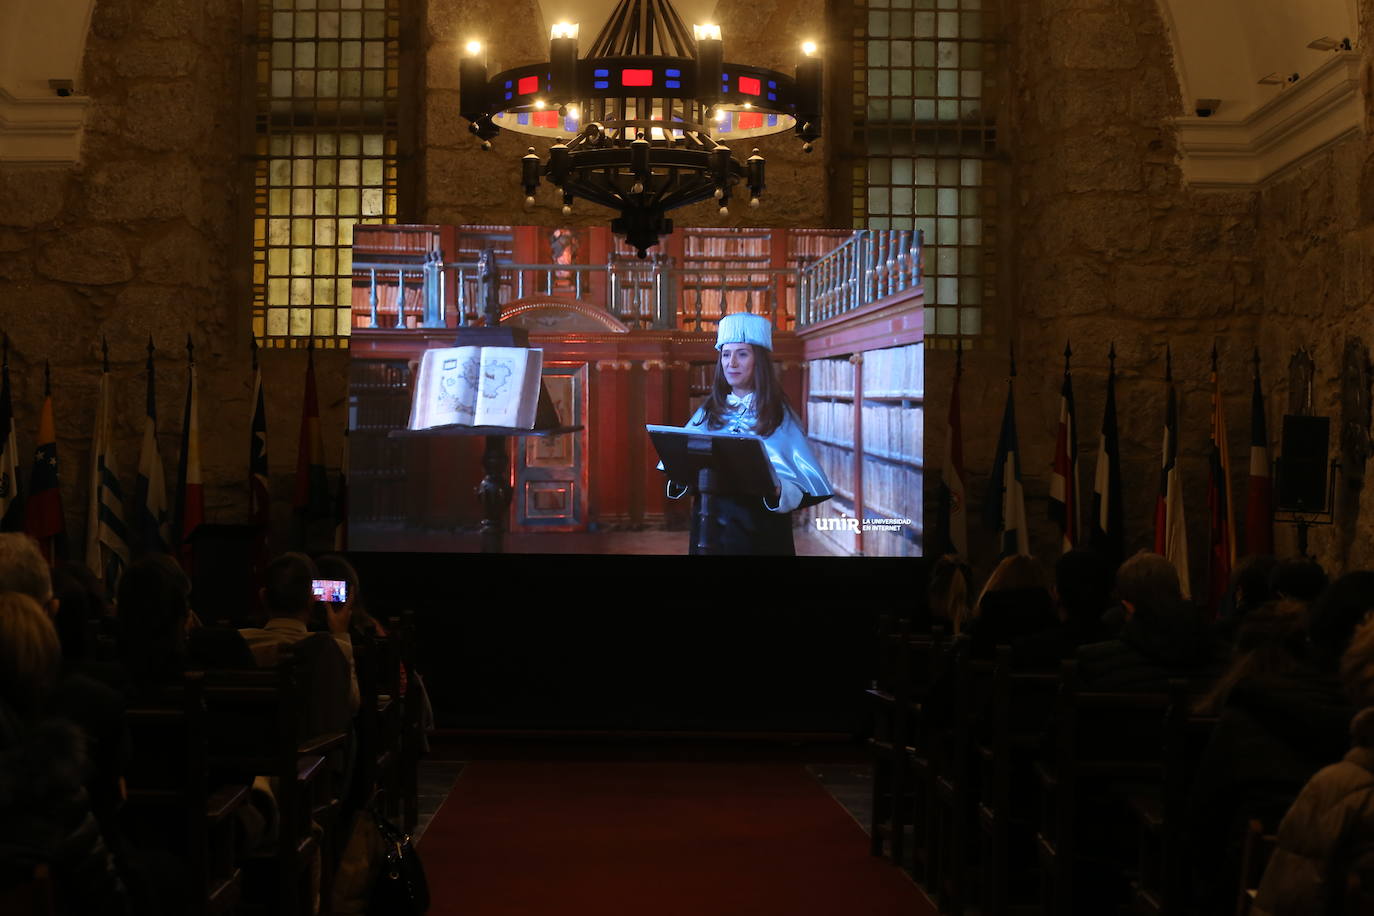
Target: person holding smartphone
{"points": [[289, 596], [746, 397]]}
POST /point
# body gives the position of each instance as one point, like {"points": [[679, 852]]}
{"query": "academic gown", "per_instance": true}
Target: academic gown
{"points": [[760, 527]]}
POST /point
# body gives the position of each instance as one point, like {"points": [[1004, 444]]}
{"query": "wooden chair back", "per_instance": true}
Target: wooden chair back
{"points": [[171, 801]]}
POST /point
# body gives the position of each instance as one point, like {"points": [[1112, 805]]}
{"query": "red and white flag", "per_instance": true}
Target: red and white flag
{"points": [[1064, 493], [190, 489], [1259, 499], [1171, 533], [953, 514], [1221, 550]]}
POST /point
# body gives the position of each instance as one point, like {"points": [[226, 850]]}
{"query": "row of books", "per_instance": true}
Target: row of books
{"points": [[832, 377], [813, 243], [893, 489], [895, 372], [739, 243], [892, 430], [832, 421], [891, 543], [838, 464]]}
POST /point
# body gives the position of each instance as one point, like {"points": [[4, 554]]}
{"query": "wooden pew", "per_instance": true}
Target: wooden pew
{"points": [[956, 777], [889, 697], [256, 728], [1258, 846], [172, 801], [1018, 718], [412, 738], [1161, 811], [377, 659], [1083, 757]]}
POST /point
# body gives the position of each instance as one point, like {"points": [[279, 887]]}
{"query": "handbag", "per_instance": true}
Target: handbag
{"points": [[400, 888]]}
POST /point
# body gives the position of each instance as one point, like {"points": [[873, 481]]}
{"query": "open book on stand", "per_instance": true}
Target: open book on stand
{"points": [[477, 386]]}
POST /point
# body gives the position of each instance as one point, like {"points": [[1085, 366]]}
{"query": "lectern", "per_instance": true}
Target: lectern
{"points": [[720, 464], [494, 489]]}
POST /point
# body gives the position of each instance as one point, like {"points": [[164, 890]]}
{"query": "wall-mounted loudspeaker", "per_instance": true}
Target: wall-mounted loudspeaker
{"points": [[1303, 464]]}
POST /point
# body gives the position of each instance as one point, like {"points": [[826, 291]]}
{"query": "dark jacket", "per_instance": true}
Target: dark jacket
{"points": [[1007, 615], [45, 818], [1153, 648], [1271, 736], [1046, 649]]}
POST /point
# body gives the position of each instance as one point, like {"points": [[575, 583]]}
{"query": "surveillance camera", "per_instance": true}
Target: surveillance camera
{"points": [[63, 88], [1205, 108]]}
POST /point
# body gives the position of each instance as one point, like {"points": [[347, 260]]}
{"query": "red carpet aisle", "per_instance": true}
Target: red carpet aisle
{"points": [[653, 839]]}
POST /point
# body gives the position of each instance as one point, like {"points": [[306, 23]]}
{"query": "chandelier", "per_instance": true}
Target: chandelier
{"points": [[639, 123]]}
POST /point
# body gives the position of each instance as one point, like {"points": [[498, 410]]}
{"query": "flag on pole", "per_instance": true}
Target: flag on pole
{"points": [[259, 505], [1171, 533], [1004, 510], [952, 526], [107, 537], [310, 500], [1107, 534], [1221, 552], [1259, 501], [190, 488], [1064, 493], [150, 489], [341, 503], [11, 499], [43, 517]]}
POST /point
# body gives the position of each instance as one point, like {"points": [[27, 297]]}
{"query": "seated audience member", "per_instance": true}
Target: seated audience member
{"points": [[1336, 614], [1279, 720], [291, 609], [45, 815], [82, 611], [1164, 636], [96, 707], [951, 582], [1249, 590], [85, 626], [361, 623], [1330, 827], [158, 635], [1082, 591], [1015, 602], [1301, 580]]}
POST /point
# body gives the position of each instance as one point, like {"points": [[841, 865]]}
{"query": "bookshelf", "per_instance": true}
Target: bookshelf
{"points": [[865, 420], [704, 296], [378, 402]]}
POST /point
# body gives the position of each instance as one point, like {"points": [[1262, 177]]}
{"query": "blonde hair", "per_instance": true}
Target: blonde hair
{"points": [[30, 654], [1014, 572], [1269, 642], [23, 569], [950, 582]]}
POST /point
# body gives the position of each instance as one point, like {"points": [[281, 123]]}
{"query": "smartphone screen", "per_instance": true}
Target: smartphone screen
{"points": [[332, 591]]}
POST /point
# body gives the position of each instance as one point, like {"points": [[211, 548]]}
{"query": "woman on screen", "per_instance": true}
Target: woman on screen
{"points": [[746, 397]]}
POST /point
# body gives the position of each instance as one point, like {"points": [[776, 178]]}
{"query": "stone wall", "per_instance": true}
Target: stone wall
{"points": [[141, 237], [1104, 246], [1316, 240], [1109, 246]]}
